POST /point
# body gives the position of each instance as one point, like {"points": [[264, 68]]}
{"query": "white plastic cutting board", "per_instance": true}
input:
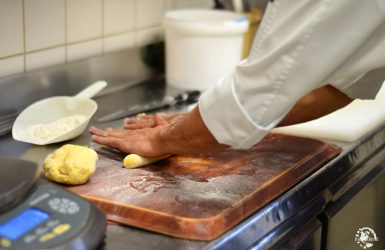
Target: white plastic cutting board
{"points": [[346, 124]]}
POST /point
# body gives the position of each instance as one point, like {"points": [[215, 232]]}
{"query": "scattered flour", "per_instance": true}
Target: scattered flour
{"points": [[57, 128]]}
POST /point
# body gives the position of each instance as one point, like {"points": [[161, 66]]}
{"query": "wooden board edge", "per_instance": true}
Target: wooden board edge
{"points": [[210, 228]]}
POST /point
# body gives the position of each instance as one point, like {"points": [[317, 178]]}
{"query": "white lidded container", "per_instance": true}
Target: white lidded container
{"points": [[202, 46]]}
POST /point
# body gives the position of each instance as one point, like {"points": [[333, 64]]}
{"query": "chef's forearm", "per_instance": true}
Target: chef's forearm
{"points": [[315, 104], [189, 135]]}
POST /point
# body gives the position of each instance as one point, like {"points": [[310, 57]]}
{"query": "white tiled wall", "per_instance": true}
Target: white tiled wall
{"points": [[119, 16], [44, 24], [84, 20], [150, 13], [45, 57], [84, 49], [118, 42], [11, 28], [40, 33], [12, 65]]}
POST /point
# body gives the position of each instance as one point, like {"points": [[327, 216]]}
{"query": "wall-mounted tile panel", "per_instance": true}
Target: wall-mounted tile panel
{"points": [[11, 65], [44, 24], [119, 16], [53, 31], [150, 35], [150, 13], [85, 49], [11, 27], [45, 58], [119, 42], [84, 20], [170, 4], [194, 4]]}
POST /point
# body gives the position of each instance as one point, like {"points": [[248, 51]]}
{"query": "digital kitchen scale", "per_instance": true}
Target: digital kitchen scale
{"points": [[36, 214]]}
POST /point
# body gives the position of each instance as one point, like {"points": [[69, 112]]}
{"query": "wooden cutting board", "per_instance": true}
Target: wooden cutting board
{"points": [[202, 196]]}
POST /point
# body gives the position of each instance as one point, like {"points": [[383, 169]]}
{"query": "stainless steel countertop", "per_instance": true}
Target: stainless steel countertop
{"points": [[264, 228]]}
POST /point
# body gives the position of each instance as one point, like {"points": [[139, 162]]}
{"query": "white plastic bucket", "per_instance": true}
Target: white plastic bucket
{"points": [[202, 46]]}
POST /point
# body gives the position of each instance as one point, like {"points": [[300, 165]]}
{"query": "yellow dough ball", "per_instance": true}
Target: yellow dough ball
{"points": [[70, 164]]}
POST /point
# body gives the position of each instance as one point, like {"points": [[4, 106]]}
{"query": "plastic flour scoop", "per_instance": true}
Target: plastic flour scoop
{"points": [[57, 119]]}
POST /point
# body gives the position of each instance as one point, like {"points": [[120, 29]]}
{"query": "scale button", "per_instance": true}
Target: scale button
{"points": [[29, 238], [64, 205], [61, 228], [52, 223], [46, 237], [73, 209], [5, 243], [41, 230], [62, 210]]}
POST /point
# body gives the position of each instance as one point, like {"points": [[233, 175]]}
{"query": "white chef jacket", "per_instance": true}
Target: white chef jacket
{"points": [[300, 45]]}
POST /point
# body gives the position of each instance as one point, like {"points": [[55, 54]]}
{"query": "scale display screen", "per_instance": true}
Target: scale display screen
{"points": [[22, 223]]}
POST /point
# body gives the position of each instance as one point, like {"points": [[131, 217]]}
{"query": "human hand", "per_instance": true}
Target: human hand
{"points": [[151, 120], [142, 141], [140, 134], [186, 134]]}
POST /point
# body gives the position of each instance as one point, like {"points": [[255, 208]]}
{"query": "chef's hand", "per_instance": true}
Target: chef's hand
{"points": [[186, 135], [151, 120], [144, 142]]}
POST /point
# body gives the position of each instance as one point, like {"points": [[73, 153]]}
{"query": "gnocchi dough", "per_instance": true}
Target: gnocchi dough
{"points": [[70, 164], [136, 161]]}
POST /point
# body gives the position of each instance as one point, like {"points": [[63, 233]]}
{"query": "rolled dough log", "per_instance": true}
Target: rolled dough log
{"points": [[135, 161]]}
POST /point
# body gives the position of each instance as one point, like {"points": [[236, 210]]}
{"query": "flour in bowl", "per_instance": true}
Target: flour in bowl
{"points": [[49, 131]]}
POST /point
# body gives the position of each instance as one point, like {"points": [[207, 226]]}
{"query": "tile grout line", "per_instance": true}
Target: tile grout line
{"points": [[24, 38], [77, 42], [12, 56], [123, 32], [136, 30], [24, 53], [103, 31], [65, 33]]}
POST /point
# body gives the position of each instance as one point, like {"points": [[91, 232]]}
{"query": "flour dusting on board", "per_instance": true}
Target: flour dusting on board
{"points": [[49, 131]]}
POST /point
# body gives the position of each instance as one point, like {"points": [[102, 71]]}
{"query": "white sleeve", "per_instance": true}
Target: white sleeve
{"points": [[299, 45], [365, 86]]}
